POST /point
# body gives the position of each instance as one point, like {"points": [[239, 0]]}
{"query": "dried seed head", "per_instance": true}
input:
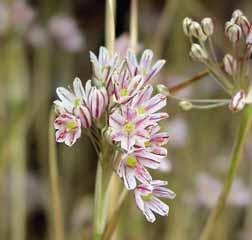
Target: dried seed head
{"points": [[207, 26], [186, 105], [198, 53], [186, 26], [233, 32], [197, 32], [238, 101], [230, 64]]}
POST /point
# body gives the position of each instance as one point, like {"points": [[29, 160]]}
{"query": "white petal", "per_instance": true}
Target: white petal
{"points": [[78, 88]]}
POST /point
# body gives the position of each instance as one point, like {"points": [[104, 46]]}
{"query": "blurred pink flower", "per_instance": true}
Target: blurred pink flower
{"points": [[66, 32], [37, 36]]}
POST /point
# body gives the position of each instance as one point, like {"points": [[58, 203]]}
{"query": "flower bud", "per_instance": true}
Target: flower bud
{"points": [[186, 26], [161, 88], [237, 102], [197, 32], [249, 37], [230, 64], [207, 26], [244, 24], [237, 13], [233, 32], [185, 105], [198, 53]]}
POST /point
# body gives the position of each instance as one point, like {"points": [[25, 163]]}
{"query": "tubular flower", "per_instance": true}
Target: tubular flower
{"points": [[68, 128], [146, 196]]}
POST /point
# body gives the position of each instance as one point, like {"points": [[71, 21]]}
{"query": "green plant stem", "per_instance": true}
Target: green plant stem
{"points": [[54, 181], [236, 158]]}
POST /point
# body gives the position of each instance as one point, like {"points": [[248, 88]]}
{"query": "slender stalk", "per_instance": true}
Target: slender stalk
{"points": [[112, 223], [110, 25], [186, 83], [134, 25], [236, 158], [54, 181]]}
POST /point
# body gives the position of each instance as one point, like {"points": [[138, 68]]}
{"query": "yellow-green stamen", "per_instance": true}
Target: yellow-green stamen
{"points": [[140, 110], [70, 124], [77, 102], [129, 127]]}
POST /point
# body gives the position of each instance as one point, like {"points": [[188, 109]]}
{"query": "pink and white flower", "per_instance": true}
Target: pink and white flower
{"points": [[133, 165], [68, 128], [73, 101], [104, 66], [146, 196], [127, 128], [144, 67]]}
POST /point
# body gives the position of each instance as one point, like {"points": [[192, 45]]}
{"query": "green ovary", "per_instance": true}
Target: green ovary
{"points": [[70, 124], [129, 127], [77, 102], [147, 197], [140, 110], [131, 161], [124, 92]]}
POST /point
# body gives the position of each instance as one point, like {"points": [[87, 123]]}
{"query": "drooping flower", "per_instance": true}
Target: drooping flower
{"points": [[144, 67], [68, 128], [73, 101], [127, 128], [146, 196]]}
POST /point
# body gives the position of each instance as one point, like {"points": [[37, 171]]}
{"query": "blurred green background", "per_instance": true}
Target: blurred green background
{"points": [[45, 44]]}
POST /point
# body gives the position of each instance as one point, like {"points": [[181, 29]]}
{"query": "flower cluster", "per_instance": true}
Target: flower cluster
{"points": [[233, 73], [120, 102]]}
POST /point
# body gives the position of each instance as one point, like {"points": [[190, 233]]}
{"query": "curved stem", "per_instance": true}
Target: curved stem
{"points": [[236, 158], [186, 83]]}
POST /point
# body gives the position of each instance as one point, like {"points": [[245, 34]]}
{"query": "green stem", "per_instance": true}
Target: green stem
{"points": [[236, 158]]}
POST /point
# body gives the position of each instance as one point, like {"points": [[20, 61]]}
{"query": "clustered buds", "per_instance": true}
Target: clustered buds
{"points": [[237, 27], [233, 73], [119, 94]]}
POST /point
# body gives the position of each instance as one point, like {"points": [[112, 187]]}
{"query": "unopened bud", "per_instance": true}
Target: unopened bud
{"points": [[197, 32], [198, 53], [161, 88], [186, 26], [249, 37], [207, 26], [237, 13], [237, 102], [186, 105], [244, 24], [230, 64], [233, 32]]}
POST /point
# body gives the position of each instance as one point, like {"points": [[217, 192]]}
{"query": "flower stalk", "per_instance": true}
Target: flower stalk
{"points": [[54, 181], [236, 158]]}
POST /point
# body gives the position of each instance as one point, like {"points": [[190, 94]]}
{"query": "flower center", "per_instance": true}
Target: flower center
{"points": [[129, 127], [147, 143], [131, 161], [140, 110], [124, 92], [77, 102], [70, 125], [147, 197]]}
